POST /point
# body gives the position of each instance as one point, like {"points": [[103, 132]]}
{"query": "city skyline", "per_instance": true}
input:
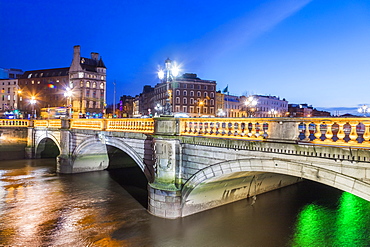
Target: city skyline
{"points": [[306, 51]]}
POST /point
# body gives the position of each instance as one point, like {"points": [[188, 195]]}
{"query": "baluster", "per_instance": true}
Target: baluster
{"points": [[353, 133], [341, 133], [366, 134], [329, 133], [253, 131], [317, 133], [306, 132]]}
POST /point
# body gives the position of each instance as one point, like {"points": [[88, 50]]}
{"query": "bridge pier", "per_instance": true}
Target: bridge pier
{"points": [[164, 203]]}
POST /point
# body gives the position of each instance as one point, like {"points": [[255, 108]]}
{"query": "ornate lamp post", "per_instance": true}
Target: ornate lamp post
{"points": [[68, 95], [273, 112], [158, 109], [250, 103], [33, 102], [167, 76], [364, 109]]}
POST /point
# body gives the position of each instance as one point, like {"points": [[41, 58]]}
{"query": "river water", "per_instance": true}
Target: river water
{"points": [[108, 208]]}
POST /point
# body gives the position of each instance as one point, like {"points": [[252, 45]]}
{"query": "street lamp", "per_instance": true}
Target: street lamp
{"points": [[364, 109], [272, 112], [220, 113], [68, 95], [250, 103], [158, 108], [33, 102], [167, 76], [200, 104]]}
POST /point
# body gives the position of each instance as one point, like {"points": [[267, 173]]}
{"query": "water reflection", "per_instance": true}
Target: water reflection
{"points": [[41, 208], [347, 225]]}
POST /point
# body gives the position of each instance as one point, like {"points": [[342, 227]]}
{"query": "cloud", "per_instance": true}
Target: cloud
{"points": [[242, 31]]}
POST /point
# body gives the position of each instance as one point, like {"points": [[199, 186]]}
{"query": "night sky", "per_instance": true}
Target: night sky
{"points": [[315, 52]]}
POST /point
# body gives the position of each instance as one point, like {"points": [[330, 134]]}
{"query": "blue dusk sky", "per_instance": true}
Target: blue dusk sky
{"points": [[306, 51]]}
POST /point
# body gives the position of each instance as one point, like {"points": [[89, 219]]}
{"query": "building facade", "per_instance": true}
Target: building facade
{"points": [[188, 94], [9, 98], [266, 106], [87, 81], [46, 87]]}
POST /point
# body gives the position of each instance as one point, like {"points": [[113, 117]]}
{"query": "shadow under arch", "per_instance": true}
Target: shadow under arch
{"points": [[47, 148], [267, 165]]}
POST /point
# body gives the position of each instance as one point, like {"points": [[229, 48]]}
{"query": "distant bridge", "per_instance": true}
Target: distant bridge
{"points": [[193, 164]]}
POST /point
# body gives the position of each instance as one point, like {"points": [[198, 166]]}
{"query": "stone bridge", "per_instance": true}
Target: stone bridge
{"points": [[194, 164]]}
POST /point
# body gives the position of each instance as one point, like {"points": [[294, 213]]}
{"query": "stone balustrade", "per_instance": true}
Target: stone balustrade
{"points": [[353, 132], [142, 125], [51, 123], [14, 123]]}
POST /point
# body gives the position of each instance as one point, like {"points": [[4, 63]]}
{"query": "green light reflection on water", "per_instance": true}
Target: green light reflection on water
{"points": [[346, 226], [353, 221]]}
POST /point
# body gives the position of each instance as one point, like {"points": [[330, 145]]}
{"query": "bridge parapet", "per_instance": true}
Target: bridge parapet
{"points": [[14, 123], [354, 132], [51, 123]]}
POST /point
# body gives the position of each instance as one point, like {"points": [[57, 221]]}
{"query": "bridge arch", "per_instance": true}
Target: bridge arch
{"points": [[298, 169], [94, 142], [47, 145]]}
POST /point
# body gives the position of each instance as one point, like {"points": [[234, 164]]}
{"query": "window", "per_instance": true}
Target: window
{"points": [[101, 85], [205, 94], [177, 108], [191, 109], [177, 100], [212, 95], [184, 101], [87, 84], [87, 93], [198, 94], [184, 92], [81, 84], [94, 84], [177, 92], [212, 102], [191, 101], [185, 108], [192, 93]]}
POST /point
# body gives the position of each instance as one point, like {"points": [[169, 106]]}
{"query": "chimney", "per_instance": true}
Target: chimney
{"points": [[95, 56], [76, 52]]}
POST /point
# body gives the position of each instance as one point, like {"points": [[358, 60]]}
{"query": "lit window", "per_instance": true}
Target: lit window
{"points": [[102, 85], [30, 75], [33, 82], [94, 84], [87, 84]]}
